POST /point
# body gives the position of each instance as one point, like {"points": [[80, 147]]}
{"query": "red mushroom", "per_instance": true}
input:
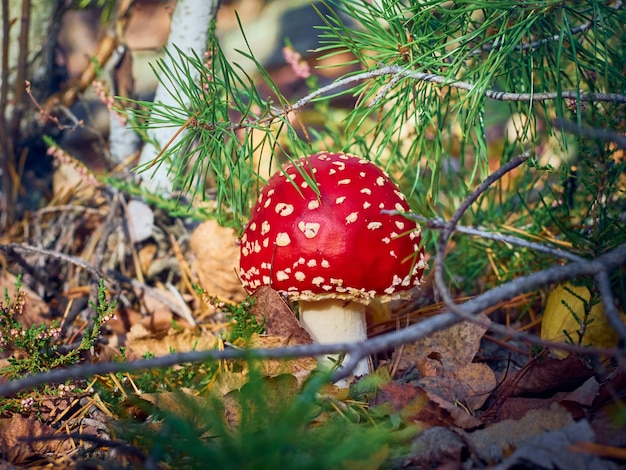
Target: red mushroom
{"points": [[335, 252]]}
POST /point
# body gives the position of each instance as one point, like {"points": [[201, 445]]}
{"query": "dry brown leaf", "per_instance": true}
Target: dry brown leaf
{"points": [[141, 341], [494, 442], [449, 377], [216, 258], [413, 405], [300, 368], [67, 180], [270, 307], [17, 427], [146, 255], [550, 375]]}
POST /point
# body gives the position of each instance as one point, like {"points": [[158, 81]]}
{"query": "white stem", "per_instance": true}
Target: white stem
{"points": [[335, 321]]}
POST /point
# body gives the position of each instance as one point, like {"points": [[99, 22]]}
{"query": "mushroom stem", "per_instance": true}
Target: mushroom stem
{"points": [[335, 321]]}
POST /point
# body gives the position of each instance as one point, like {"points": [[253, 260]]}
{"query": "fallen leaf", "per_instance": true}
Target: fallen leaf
{"points": [[140, 220], [141, 341], [494, 442], [15, 428], [412, 404], [564, 312], [300, 368], [554, 450], [448, 375], [452, 347], [550, 375], [146, 255], [437, 447], [216, 258], [269, 307]]}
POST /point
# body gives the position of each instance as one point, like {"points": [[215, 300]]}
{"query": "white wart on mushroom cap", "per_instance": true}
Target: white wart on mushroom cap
{"points": [[338, 245]]}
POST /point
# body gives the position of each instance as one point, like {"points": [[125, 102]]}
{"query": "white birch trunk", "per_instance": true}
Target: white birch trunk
{"points": [[188, 31]]}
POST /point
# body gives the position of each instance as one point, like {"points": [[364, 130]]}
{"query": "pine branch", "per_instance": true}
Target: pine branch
{"points": [[401, 72], [605, 263], [543, 41]]}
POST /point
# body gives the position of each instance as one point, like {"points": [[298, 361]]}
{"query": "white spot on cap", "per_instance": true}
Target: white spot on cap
{"points": [[393, 253], [325, 264], [380, 181], [340, 199], [309, 229], [366, 205], [337, 282], [390, 290], [311, 263], [266, 280], [332, 171], [345, 181], [387, 240], [282, 275], [244, 251], [340, 165], [282, 239], [284, 209], [252, 227], [374, 225], [400, 224], [367, 191], [299, 275], [304, 185], [317, 281], [267, 203], [266, 242], [399, 207], [352, 217], [314, 204], [265, 227]]}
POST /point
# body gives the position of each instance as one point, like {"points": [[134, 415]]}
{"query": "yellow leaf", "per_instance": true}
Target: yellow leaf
{"points": [[558, 318]]}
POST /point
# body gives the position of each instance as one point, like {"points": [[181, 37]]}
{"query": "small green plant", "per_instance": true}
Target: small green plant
{"points": [[268, 423], [35, 349], [244, 324]]}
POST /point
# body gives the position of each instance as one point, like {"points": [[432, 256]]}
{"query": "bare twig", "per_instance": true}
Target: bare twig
{"points": [[23, 247], [12, 249], [440, 224], [604, 286], [607, 262], [492, 94], [600, 272]]}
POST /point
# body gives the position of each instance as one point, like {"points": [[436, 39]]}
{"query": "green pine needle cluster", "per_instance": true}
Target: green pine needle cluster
{"points": [[442, 92]]}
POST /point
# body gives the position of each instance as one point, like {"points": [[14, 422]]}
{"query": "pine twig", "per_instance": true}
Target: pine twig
{"points": [[607, 262]]}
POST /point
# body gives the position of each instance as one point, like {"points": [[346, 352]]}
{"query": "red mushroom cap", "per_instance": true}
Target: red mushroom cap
{"points": [[337, 245]]}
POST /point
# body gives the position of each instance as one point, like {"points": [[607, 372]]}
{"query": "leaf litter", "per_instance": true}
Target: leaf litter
{"points": [[452, 406]]}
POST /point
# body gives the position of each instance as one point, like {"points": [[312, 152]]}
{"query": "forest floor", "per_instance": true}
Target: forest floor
{"points": [[83, 285]]}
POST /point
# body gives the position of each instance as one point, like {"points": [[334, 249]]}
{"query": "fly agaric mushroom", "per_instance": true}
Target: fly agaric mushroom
{"points": [[336, 251]]}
